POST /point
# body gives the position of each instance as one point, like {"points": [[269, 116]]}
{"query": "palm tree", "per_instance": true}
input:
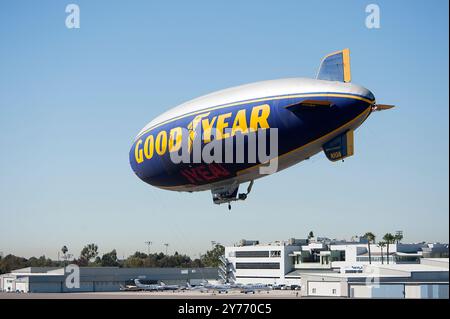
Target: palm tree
{"points": [[389, 239], [382, 244], [398, 237], [370, 237], [89, 252]]}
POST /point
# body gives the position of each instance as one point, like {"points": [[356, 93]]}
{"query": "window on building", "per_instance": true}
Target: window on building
{"points": [[257, 265], [333, 291], [252, 254], [314, 290]]}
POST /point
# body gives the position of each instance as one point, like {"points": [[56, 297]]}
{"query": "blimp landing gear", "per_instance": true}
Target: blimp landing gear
{"points": [[229, 193]]}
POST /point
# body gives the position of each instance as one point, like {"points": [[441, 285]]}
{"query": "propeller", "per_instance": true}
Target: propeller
{"points": [[382, 107]]}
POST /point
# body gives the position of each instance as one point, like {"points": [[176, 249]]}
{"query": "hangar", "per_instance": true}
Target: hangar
{"points": [[92, 279]]}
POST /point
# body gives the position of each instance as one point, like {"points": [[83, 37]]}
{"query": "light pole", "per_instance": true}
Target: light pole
{"points": [[398, 235], [66, 257], [167, 245], [149, 243]]}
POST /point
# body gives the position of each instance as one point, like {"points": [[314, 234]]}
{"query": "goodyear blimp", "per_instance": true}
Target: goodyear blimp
{"points": [[223, 139]]}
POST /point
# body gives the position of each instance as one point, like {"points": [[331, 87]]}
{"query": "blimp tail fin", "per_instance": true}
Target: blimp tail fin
{"points": [[340, 147], [335, 67]]}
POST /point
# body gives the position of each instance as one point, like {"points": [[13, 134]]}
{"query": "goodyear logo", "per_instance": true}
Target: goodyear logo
{"points": [[216, 127]]}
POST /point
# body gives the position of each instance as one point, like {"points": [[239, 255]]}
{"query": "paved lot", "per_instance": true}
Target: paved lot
{"points": [[153, 295]]}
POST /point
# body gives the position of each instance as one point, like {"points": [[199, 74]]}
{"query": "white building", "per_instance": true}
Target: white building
{"points": [[429, 279], [345, 265], [352, 256], [356, 255], [250, 262]]}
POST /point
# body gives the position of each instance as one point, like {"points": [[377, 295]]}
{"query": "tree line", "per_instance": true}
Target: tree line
{"points": [[89, 257]]}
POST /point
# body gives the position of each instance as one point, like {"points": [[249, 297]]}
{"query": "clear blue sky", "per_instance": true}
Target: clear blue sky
{"points": [[71, 102]]}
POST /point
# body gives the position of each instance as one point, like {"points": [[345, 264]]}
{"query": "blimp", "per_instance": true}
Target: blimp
{"points": [[234, 136]]}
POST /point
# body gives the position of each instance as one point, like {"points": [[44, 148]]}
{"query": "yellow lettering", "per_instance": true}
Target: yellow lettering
{"points": [[175, 139], [259, 117], [192, 126], [138, 152], [240, 123], [207, 128], [161, 143], [148, 147], [221, 125]]}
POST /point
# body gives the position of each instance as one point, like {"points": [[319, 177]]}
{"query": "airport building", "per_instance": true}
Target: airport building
{"points": [[324, 267], [93, 279], [250, 262], [426, 280]]}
